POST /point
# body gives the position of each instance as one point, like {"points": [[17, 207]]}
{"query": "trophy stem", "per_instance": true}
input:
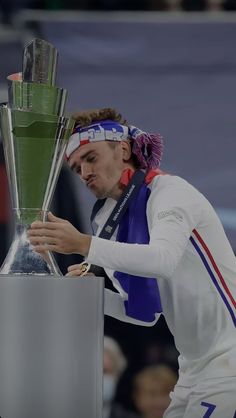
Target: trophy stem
{"points": [[21, 258]]}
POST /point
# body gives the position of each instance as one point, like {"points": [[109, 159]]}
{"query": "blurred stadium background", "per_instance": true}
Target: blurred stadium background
{"points": [[168, 66]]}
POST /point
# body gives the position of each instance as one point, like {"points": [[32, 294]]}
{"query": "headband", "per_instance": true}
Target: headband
{"points": [[146, 147]]}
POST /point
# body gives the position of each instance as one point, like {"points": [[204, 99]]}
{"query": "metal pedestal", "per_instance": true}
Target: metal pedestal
{"points": [[51, 347]]}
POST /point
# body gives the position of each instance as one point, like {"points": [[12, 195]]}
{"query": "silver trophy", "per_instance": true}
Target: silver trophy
{"points": [[35, 134], [51, 338]]}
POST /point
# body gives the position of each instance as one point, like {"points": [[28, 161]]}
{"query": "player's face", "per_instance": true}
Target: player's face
{"points": [[100, 166]]}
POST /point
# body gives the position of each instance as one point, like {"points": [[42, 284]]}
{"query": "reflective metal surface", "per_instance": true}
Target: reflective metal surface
{"points": [[36, 97], [39, 62], [35, 135]]}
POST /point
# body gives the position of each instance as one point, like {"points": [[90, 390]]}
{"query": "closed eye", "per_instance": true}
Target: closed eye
{"points": [[91, 158]]}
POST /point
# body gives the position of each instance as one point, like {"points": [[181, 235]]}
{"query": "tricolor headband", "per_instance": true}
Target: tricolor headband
{"points": [[146, 147]]}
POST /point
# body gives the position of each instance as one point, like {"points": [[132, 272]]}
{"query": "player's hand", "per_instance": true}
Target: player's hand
{"points": [[79, 270], [58, 235]]}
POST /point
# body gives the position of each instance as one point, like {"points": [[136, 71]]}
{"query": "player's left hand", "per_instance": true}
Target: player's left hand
{"points": [[58, 235]]}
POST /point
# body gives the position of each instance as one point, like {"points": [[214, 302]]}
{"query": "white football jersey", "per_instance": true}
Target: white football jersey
{"points": [[193, 262]]}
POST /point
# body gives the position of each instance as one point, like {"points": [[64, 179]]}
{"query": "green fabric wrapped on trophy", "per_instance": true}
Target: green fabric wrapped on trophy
{"points": [[35, 134]]}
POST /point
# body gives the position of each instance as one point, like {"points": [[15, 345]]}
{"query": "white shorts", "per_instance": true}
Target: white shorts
{"points": [[213, 398]]}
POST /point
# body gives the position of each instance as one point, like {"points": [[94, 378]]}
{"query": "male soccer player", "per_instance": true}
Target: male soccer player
{"points": [[165, 250]]}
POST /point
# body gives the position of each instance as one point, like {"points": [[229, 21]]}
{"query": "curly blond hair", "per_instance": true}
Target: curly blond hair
{"points": [[87, 117]]}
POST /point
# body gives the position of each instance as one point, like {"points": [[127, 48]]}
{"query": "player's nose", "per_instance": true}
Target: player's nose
{"points": [[86, 171]]}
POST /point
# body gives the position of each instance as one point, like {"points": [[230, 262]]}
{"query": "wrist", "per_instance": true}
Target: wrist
{"points": [[84, 246]]}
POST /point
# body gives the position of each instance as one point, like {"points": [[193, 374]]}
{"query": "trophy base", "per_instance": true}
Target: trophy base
{"points": [[51, 349], [22, 259]]}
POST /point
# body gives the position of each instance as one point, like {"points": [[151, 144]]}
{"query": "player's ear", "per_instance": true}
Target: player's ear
{"points": [[126, 150]]}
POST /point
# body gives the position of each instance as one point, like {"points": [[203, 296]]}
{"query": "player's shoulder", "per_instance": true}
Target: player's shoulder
{"points": [[171, 181], [174, 188]]}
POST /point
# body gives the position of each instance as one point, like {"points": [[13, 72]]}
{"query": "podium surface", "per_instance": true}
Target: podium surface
{"points": [[51, 347]]}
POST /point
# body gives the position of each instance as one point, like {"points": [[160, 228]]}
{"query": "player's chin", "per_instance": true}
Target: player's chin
{"points": [[99, 194]]}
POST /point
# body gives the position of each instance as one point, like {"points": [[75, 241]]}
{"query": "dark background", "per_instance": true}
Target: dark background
{"points": [[175, 74]]}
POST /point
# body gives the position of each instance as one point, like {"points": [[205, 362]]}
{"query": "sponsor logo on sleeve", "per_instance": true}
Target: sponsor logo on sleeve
{"points": [[166, 213]]}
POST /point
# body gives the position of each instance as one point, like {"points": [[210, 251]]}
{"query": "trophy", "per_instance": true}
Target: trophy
{"points": [[35, 134]]}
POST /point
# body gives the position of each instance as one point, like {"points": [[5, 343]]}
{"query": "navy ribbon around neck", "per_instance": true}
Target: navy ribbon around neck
{"points": [[130, 214]]}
